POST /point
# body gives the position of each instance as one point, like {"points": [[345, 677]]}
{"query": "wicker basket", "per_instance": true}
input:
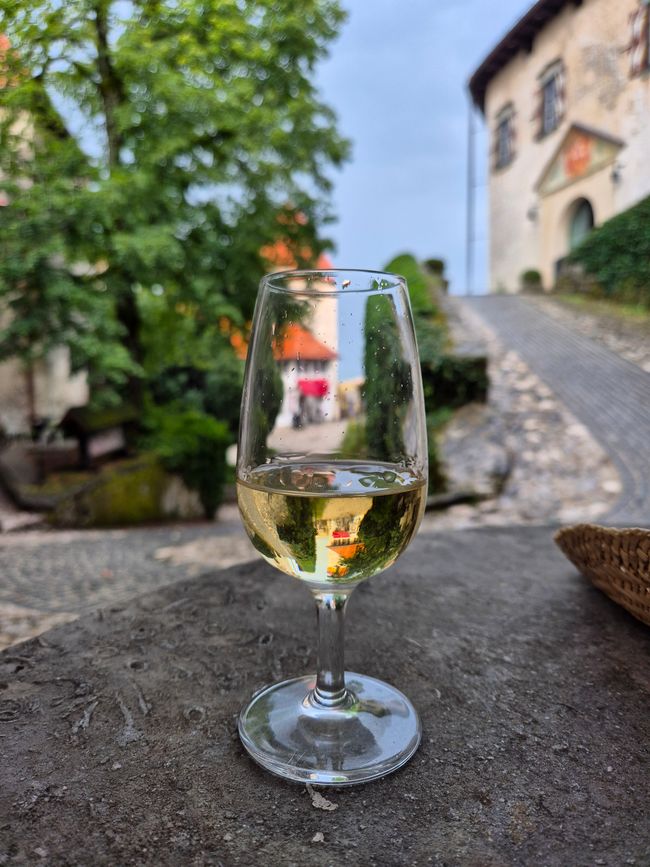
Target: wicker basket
{"points": [[616, 561]]}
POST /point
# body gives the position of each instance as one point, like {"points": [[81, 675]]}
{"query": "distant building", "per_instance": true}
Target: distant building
{"points": [[308, 376], [566, 97], [308, 355]]}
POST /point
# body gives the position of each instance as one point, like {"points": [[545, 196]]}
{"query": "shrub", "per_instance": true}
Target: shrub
{"points": [[454, 380], [388, 386], [530, 280], [215, 391], [193, 445], [617, 255], [420, 290], [354, 444], [435, 423], [436, 266]]}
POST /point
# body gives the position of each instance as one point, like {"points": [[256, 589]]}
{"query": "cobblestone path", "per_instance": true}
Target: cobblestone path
{"points": [[609, 395], [77, 571]]}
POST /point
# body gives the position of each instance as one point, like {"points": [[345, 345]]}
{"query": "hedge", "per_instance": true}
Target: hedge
{"points": [[617, 256]]}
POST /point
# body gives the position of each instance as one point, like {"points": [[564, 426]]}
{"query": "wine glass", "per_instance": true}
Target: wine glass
{"points": [[331, 486]]}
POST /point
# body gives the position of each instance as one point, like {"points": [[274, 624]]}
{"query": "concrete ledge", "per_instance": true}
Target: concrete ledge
{"points": [[119, 743]]}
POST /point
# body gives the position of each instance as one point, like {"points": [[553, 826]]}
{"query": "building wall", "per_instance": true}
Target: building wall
{"points": [[529, 230], [55, 391]]}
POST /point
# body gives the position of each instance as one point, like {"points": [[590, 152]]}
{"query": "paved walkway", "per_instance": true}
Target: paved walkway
{"points": [[609, 395]]}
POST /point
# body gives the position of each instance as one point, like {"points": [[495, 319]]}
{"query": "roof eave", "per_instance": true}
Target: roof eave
{"points": [[518, 38]]}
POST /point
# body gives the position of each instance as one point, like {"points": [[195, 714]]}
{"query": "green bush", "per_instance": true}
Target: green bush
{"points": [[388, 386], [215, 391], [617, 255], [454, 380], [530, 279], [430, 327], [354, 444], [435, 423], [420, 290], [193, 445], [436, 266]]}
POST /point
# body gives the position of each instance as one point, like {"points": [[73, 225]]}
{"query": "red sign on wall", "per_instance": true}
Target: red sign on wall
{"points": [[577, 156]]}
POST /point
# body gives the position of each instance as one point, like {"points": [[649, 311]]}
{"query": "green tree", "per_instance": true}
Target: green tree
{"points": [[158, 142], [388, 386]]}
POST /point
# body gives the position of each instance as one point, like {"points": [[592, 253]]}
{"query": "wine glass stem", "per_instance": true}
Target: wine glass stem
{"points": [[330, 679]]}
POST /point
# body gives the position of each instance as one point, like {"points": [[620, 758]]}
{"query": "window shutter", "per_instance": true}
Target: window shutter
{"points": [[513, 136], [537, 116], [494, 149], [638, 46], [560, 94]]}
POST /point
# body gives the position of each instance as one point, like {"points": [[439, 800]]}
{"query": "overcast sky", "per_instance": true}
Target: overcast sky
{"points": [[397, 79]]}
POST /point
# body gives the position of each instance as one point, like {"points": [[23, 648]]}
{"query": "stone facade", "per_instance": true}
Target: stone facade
{"points": [[547, 172]]}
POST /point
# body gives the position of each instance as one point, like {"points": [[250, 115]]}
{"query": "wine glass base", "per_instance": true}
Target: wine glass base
{"points": [[288, 733]]}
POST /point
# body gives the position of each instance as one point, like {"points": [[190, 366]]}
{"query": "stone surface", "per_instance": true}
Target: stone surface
{"points": [[475, 460], [557, 470], [119, 742], [608, 394], [624, 336]]}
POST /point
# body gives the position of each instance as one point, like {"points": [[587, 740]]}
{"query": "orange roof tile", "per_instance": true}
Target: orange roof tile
{"points": [[299, 343]]}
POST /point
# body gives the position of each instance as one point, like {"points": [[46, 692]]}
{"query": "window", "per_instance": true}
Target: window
{"points": [[551, 98], [550, 115], [639, 45], [504, 138]]}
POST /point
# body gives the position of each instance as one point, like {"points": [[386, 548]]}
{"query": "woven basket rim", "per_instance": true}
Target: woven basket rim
{"points": [[616, 560]]}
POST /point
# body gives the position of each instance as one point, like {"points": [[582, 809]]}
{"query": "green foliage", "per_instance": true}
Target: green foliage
{"points": [[617, 256], [530, 279], [435, 266], [454, 380], [420, 290], [148, 151], [216, 391], [354, 444], [381, 534], [388, 386], [429, 322], [124, 493], [193, 445], [436, 421], [298, 531]]}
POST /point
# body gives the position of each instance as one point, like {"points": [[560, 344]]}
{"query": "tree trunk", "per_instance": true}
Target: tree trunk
{"points": [[129, 317], [110, 86], [112, 96]]}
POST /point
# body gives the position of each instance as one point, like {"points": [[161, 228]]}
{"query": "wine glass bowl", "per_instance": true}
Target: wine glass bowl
{"points": [[331, 500]]}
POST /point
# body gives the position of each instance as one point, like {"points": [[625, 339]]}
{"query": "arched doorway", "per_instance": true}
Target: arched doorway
{"points": [[581, 222]]}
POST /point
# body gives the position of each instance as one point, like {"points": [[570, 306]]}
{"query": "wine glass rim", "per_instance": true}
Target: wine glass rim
{"points": [[278, 281]]}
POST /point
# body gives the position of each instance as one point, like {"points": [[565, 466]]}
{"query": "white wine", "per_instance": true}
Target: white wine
{"points": [[331, 523]]}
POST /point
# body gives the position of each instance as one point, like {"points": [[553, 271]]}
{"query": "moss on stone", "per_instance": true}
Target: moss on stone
{"points": [[123, 493]]}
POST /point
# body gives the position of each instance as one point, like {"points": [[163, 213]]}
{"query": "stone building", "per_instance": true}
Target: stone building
{"points": [[566, 98]]}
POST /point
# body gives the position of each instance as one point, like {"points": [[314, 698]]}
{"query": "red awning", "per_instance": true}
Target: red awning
{"points": [[313, 387]]}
